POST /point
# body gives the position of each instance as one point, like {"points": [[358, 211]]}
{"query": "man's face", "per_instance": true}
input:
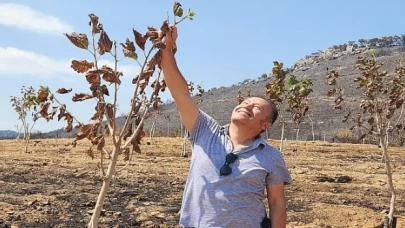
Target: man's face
{"points": [[253, 111]]}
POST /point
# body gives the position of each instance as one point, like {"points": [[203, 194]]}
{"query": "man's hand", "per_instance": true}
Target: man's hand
{"points": [[170, 38]]}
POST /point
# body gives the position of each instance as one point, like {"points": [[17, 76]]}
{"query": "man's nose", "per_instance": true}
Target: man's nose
{"points": [[249, 106]]}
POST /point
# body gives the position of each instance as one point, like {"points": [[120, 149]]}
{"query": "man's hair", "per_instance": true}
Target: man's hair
{"points": [[274, 112]]}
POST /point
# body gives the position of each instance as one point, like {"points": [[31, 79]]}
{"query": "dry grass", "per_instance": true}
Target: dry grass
{"points": [[56, 185]]}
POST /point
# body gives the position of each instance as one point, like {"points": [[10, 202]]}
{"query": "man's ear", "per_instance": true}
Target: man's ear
{"points": [[266, 125]]}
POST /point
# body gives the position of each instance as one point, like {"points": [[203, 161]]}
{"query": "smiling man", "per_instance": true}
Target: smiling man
{"points": [[231, 166]]}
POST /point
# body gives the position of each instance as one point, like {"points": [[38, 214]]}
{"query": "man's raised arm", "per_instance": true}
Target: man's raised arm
{"points": [[177, 84]]}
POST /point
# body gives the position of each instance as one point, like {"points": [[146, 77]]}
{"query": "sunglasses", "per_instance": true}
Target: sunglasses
{"points": [[226, 169]]}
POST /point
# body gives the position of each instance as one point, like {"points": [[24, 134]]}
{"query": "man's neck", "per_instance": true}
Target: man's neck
{"points": [[241, 137]]}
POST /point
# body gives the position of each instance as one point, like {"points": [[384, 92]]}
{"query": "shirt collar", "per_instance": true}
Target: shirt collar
{"points": [[259, 142]]}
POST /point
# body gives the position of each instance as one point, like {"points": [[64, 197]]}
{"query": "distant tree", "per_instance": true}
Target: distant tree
{"points": [[263, 76], [351, 43], [18, 130], [276, 91], [403, 39], [297, 99], [397, 40], [383, 97], [25, 106], [362, 42], [373, 42]]}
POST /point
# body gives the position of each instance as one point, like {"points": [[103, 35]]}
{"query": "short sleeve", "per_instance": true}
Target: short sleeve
{"points": [[204, 125], [279, 172]]}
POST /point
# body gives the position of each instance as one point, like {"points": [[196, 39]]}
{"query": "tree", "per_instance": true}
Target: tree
{"points": [[351, 43], [275, 90], [383, 97], [403, 39], [23, 105], [297, 99], [102, 79], [362, 42]]}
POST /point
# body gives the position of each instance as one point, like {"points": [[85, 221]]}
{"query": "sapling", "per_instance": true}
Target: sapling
{"points": [[380, 111], [103, 129]]}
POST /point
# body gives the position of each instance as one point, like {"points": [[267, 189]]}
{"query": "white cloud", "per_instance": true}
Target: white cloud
{"points": [[26, 18], [17, 62], [14, 61]]}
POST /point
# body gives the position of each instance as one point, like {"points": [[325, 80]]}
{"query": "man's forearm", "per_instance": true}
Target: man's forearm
{"points": [[173, 77], [278, 215]]}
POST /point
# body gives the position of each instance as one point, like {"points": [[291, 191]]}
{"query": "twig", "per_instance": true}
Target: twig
{"points": [[134, 96]]}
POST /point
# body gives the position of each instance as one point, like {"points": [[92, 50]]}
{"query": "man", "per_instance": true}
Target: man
{"points": [[231, 165]]}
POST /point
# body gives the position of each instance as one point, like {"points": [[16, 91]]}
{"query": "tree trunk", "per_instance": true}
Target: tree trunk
{"points": [[104, 189], [387, 222], [282, 136], [312, 128], [152, 132], [297, 136], [313, 133], [19, 131], [389, 179], [28, 135]]}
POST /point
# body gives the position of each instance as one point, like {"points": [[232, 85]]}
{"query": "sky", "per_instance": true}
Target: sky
{"points": [[226, 43]]}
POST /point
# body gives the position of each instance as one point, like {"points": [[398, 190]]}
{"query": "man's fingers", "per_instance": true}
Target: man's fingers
{"points": [[173, 30]]}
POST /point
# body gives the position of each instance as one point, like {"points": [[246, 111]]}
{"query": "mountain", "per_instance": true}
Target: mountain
{"points": [[7, 134], [219, 102]]}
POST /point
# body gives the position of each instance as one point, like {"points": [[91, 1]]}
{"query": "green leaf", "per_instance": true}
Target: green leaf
{"points": [[190, 13]]}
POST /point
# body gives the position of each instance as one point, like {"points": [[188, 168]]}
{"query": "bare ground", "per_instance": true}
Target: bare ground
{"points": [[335, 185]]}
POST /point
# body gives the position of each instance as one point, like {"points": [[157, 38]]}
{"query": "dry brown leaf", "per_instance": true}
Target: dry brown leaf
{"points": [[43, 94], [85, 131], [128, 132], [93, 76], [155, 60], [69, 120], [140, 40], [129, 49], [63, 90], [79, 40], [95, 28], [62, 110], [81, 97], [110, 75], [99, 111], [81, 66], [44, 110], [104, 90], [104, 43], [101, 143], [152, 35]]}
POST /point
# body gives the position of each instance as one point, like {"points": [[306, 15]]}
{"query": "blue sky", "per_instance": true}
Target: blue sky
{"points": [[227, 42]]}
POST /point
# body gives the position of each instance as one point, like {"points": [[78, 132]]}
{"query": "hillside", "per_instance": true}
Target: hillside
{"points": [[8, 134], [219, 102]]}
